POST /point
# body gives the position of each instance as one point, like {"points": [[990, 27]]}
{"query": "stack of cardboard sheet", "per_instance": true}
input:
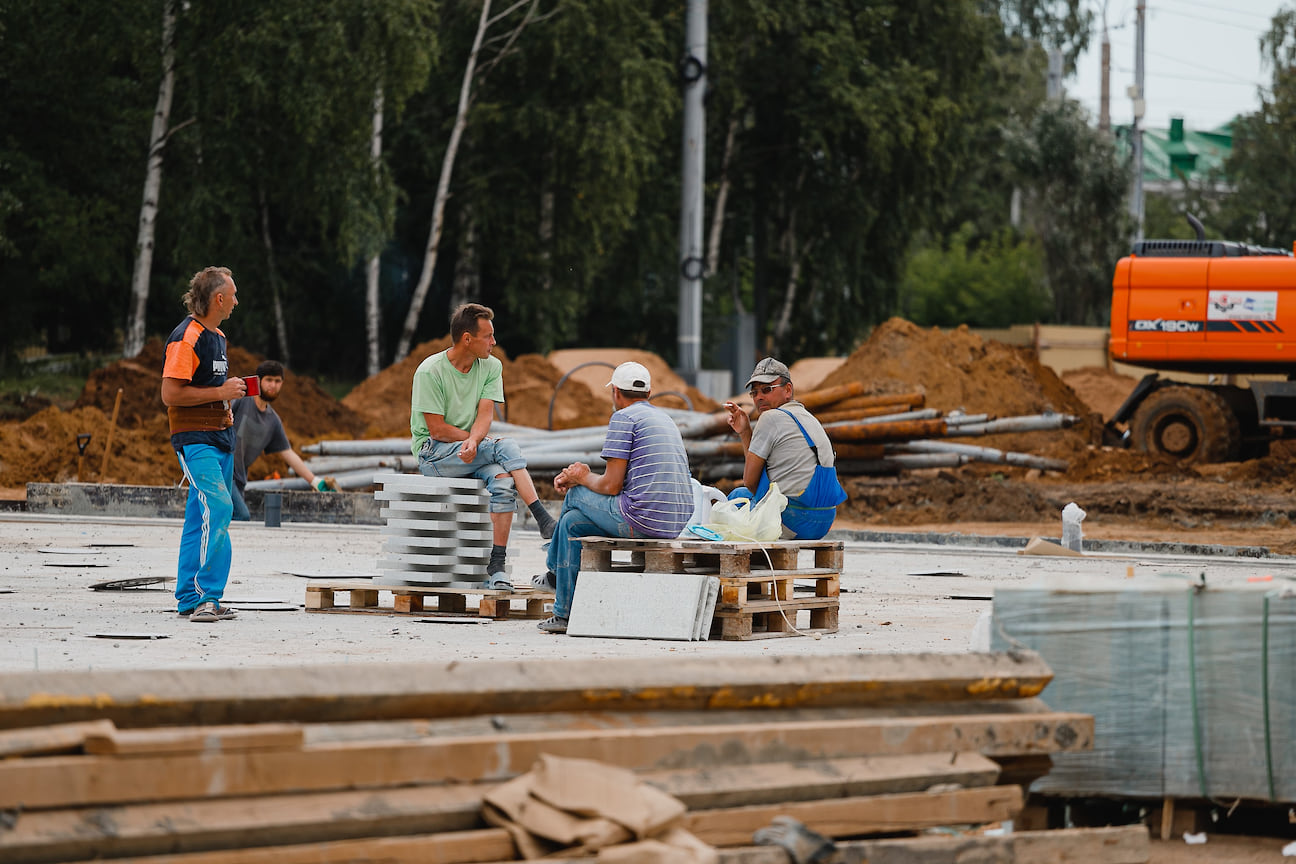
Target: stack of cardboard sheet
{"points": [[398, 762]]}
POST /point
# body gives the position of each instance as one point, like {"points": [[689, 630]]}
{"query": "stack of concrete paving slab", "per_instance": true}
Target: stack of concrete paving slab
{"points": [[439, 529], [644, 605], [1190, 685]]}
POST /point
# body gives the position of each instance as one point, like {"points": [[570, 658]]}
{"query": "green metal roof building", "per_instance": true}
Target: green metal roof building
{"points": [[1169, 154]]}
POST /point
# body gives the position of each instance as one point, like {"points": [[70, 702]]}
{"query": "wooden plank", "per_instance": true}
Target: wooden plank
{"points": [[782, 782], [204, 739], [330, 693], [45, 740], [463, 847], [854, 817], [1121, 845], [62, 781], [1125, 844], [38, 837], [153, 828]]}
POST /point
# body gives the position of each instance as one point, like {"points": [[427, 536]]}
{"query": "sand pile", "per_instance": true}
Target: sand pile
{"points": [[383, 400], [43, 448]]}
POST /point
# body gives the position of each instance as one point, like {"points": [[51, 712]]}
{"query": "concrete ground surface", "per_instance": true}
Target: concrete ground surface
{"points": [[895, 597]]}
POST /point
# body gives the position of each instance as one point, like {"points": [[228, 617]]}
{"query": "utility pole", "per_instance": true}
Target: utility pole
{"points": [[692, 264], [1104, 90], [1136, 129]]}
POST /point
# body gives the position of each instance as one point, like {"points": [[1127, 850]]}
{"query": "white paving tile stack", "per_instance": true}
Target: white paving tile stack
{"points": [[439, 529]]}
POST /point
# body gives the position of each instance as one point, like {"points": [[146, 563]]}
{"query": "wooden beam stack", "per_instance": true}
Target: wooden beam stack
{"points": [[391, 762]]}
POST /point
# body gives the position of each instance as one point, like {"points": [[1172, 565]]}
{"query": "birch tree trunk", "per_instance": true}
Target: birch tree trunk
{"points": [[443, 191], [467, 275], [272, 273], [722, 197], [134, 340], [372, 311]]}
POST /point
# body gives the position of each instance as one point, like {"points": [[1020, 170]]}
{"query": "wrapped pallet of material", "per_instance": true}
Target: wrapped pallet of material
{"points": [[1190, 685]]}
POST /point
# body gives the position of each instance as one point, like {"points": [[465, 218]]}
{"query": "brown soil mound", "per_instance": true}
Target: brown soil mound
{"points": [[956, 369], [1101, 389], [593, 367], [43, 448], [383, 399]]}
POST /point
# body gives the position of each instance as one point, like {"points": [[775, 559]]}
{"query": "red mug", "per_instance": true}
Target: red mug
{"points": [[253, 383]]}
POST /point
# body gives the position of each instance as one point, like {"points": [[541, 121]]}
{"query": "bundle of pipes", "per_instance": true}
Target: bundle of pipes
{"points": [[884, 433]]}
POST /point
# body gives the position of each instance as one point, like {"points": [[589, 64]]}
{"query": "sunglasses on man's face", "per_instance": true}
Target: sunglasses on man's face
{"points": [[764, 390]]}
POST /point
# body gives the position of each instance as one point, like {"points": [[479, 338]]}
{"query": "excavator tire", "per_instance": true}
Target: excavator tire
{"points": [[1189, 424]]}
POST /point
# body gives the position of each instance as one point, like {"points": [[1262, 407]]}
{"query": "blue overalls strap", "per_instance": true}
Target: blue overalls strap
{"points": [[813, 448]]}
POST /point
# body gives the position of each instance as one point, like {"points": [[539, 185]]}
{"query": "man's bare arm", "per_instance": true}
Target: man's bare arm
{"points": [[177, 393]]}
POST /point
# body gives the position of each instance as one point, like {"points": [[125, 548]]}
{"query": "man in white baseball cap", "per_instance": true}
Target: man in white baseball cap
{"points": [[645, 491]]}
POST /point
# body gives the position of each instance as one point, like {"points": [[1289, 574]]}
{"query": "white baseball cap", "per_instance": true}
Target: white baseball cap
{"points": [[631, 377]]}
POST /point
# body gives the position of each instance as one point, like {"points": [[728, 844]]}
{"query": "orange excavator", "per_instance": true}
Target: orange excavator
{"points": [[1214, 307]]}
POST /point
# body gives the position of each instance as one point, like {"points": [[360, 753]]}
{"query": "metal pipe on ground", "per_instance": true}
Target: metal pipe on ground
{"points": [[860, 413], [924, 414], [368, 447], [980, 454], [333, 464], [1028, 423]]}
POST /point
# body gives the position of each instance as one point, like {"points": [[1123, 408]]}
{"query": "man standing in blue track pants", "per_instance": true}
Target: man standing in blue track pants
{"points": [[197, 392]]}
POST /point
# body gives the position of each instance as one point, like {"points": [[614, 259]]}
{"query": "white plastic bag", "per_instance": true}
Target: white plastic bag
{"points": [[1072, 533], [704, 498], [738, 520]]}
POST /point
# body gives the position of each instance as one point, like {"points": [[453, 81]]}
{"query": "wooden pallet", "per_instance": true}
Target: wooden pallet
{"points": [[413, 600], [759, 597]]}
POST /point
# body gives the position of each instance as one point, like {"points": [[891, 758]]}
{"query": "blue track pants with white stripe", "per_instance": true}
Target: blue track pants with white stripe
{"points": [[205, 552]]}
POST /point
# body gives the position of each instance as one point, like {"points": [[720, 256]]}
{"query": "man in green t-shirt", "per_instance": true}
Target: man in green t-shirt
{"points": [[451, 409]]}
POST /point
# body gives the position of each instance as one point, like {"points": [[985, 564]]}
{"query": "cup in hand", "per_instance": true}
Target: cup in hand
{"points": [[253, 383]]}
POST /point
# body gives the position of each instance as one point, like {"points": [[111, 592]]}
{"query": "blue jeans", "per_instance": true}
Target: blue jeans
{"points": [[205, 552], [585, 513], [494, 456], [241, 512]]}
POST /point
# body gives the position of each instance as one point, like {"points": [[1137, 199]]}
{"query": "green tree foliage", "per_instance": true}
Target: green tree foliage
{"points": [[1074, 199], [73, 116], [858, 125], [1262, 208], [276, 179], [997, 284]]}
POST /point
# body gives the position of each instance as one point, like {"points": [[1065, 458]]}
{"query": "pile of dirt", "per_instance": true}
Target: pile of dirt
{"points": [[383, 400], [958, 370], [308, 412], [43, 448], [1103, 390], [594, 366]]}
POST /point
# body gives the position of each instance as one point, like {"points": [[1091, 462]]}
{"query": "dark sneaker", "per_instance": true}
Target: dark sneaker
{"points": [[553, 624], [211, 612], [545, 581]]}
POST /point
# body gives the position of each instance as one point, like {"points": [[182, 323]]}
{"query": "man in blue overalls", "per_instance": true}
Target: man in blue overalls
{"points": [[787, 446]]}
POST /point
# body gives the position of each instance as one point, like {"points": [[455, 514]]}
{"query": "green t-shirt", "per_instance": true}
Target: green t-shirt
{"points": [[440, 388]]}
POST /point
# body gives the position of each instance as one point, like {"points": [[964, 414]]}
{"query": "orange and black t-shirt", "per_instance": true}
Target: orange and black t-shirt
{"points": [[196, 354]]}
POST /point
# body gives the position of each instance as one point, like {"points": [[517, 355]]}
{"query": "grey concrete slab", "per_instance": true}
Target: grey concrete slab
{"points": [[640, 605], [47, 622]]}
